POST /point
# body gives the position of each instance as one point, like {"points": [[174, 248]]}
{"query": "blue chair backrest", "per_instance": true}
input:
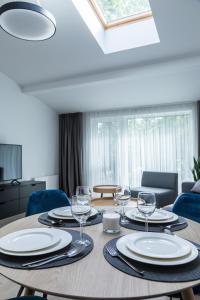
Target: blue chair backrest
{"points": [[188, 205], [46, 200]]}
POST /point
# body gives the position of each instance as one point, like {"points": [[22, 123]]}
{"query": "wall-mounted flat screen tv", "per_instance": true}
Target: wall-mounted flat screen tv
{"points": [[10, 162]]}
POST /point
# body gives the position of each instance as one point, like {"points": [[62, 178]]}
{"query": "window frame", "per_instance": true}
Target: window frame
{"points": [[119, 22]]}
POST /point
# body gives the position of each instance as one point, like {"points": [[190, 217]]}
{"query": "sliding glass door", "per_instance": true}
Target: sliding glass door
{"points": [[119, 145]]}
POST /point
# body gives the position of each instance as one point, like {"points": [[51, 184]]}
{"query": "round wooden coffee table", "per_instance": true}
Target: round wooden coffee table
{"points": [[106, 189]]}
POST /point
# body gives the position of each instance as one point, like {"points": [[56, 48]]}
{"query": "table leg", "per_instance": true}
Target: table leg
{"points": [[29, 292], [101, 195], [20, 291], [188, 294]]}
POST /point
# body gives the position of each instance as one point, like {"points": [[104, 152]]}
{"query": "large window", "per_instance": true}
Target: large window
{"points": [[116, 12], [120, 146]]}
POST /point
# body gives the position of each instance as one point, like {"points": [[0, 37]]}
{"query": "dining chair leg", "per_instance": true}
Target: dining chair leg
{"points": [[29, 292], [188, 294], [20, 291]]}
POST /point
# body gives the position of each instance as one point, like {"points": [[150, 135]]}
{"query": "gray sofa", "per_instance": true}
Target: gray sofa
{"points": [[164, 185], [187, 186]]}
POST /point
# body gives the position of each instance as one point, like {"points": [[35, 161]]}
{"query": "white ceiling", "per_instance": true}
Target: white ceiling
{"points": [[71, 73]]}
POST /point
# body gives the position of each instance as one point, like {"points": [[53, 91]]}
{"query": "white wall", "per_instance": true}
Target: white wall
{"points": [[27, 121]]}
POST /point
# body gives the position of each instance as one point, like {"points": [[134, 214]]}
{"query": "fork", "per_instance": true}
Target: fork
{"points": [[114, 253], [74, 251]]}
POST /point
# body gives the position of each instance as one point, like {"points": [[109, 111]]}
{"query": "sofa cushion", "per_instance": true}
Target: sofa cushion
{"points": [[151, 190], [196, 187], [160, 180], [163, 196]]}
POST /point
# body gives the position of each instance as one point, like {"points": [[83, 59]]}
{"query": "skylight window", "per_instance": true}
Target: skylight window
{"points": [[112, 14], [117, 12]]}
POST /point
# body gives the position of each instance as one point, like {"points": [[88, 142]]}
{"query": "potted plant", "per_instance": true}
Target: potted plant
{"points": [[196, 169]]}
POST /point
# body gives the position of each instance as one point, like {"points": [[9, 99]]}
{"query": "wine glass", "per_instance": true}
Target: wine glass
{"points": [[146, 204], [122, 196], [84, 192], [81, 210]]}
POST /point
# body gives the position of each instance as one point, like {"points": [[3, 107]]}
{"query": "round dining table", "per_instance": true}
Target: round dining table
{"points": [[93, 277]]}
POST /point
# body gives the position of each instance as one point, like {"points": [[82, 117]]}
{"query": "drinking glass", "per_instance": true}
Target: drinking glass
{"points": [[146, 204], [81, 210], [122, 197]]}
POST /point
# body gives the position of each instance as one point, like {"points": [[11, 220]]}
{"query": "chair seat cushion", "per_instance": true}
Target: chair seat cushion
{"points": [[188, 206]]}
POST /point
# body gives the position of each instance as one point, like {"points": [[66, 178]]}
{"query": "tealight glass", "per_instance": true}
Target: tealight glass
{"points": [[111, 221]]}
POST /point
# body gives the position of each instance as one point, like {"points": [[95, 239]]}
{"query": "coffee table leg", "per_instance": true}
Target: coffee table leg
{"points": [[188, 294], [29, 292]]}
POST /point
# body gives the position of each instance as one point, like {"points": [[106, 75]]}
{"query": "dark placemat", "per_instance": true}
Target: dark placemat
{"points": [[186, 272], [46, 220], [140, 226], [16, 262]]}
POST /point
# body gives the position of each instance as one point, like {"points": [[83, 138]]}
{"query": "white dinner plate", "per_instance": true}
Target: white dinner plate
{"points": [[63, 211], [159, 214], [122, 248], [132, 214], [64, 237], [29, 240], [53, 215], [158, 245]]}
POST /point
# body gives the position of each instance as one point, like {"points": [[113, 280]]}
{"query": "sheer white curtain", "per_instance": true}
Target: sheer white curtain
{"points": [[119, 145]]}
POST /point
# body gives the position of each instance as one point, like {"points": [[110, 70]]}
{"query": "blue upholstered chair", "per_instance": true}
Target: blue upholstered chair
{"points": [[188, 205], [46, 200]]}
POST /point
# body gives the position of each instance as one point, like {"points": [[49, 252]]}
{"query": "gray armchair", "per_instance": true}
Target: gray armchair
{"points": [[164, 185]]}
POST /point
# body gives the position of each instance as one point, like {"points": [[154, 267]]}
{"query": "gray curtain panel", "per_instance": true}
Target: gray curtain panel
{"points": [[70, 152]]}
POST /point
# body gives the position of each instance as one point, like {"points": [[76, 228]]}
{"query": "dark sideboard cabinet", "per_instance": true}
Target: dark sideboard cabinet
{"points": [[14, 198]]}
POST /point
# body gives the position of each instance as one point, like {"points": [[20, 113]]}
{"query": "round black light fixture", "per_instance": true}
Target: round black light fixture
{"points": [[27, 21]]}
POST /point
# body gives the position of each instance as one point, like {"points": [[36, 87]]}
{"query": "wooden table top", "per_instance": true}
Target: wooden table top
{"points": [[106, 188], [92, 277]]}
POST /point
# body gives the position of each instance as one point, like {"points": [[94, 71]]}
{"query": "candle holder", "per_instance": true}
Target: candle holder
{"points": [[111, 222]]}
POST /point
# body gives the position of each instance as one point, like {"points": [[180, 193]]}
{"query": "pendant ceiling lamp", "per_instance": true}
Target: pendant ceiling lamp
{"points": [[27, 20]]}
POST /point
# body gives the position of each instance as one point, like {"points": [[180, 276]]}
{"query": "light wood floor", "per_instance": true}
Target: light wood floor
{"points": [[9, 290]]}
